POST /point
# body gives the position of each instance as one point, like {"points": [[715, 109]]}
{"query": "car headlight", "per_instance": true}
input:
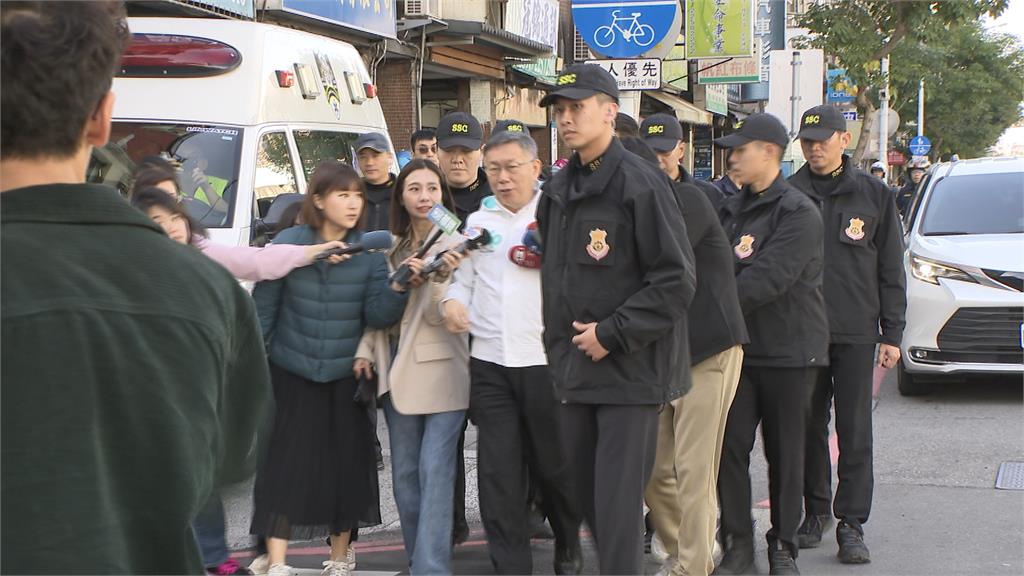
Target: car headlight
{"points": [[930, 271]]}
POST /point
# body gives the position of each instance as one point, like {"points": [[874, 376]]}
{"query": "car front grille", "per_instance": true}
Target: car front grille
{"points": [[991, 335]]}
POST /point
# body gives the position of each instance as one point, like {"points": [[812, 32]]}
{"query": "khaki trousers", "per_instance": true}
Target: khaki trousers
{"points": [[683, 491]]}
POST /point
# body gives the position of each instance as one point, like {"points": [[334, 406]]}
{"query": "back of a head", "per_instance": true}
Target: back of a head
{"points": [[640, 148], [58, 62], [625, 125]]}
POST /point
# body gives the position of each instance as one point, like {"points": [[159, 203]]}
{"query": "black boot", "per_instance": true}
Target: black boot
{"points": [[852, 549], [809, 534], [780, 559], [738, 558]]}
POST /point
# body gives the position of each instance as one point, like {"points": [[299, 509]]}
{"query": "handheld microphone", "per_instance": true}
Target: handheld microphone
{"points": [[403, 275], [476, 238], [531, 239], [523, 256], [370, 242]]}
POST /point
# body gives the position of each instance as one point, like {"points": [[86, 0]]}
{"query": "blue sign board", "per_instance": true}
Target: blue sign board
{"points": [[770, 27], [377, 17], [840, 88], [920, 145], [624, 28]]}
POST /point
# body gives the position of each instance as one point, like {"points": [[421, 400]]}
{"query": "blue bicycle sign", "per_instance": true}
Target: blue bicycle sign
{"points": [[624, 28], [639, 34]]}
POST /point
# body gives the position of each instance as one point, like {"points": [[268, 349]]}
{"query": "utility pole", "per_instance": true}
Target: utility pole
{"points": [[883, 117], [794, 98]]}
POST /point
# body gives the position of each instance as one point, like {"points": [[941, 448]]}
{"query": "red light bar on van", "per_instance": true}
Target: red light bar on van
{"points": [[174, 56]]}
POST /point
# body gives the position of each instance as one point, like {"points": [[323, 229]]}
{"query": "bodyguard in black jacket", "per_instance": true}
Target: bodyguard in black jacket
{"points": [[617, 278], [865, 292], [682, 493], [776, 234], [664, 134]]}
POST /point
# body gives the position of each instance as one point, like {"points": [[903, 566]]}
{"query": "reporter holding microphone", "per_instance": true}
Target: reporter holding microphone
{"points": [[422, 369], [496, 296]]}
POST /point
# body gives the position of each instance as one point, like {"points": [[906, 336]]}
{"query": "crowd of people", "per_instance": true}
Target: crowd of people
{"points": [[617, 337]]}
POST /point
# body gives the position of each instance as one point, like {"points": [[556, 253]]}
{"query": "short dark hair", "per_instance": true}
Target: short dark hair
{"points": [[422, 134], [57, 63], [329, 176], [148, 197], [400, 220], [151, 174]]}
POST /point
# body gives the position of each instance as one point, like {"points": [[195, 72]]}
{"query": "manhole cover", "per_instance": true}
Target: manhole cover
{"points": [[1010, 476]]}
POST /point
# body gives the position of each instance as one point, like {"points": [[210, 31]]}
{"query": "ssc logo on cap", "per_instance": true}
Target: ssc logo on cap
{"points": [[464, 128], [812, 119], [514, 128], [656, 129], [566, 79]]}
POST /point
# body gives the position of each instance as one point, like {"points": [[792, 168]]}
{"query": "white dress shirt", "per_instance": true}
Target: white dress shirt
{"points": [[503, 298]]}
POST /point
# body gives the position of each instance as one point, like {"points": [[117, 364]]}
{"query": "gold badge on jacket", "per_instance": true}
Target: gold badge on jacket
{"points": [[746, 246], [856, 229], [598, 247]]}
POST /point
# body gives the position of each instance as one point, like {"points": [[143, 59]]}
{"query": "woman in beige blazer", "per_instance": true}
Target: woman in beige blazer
{"points": [[423, 376]]}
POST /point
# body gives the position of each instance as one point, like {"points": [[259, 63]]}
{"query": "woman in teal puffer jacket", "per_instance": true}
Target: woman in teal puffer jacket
{"points": [[319, 474]]}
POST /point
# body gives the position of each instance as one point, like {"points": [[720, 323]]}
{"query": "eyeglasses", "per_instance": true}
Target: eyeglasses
{"points": [[495, 169]]}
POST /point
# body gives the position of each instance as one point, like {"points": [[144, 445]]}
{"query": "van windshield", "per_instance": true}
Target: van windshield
{"points": [[204, 156], [975, 204]]}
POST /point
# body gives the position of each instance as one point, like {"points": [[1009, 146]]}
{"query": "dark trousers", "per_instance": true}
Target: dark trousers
{"points": [[610, 450], [848, 379], [459, 524], [778, 399], [517, 420]]}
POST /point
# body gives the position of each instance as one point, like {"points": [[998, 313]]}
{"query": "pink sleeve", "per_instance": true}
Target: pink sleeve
{"points": [[256, 264]]}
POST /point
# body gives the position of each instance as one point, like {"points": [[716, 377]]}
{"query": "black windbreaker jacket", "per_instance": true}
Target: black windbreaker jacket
{"points": [[777, 248], [715, 318], [865, 286], [616, 253], [716, 196]]}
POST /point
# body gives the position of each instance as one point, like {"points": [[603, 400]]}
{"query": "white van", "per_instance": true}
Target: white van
{"points": [[245, 111]]}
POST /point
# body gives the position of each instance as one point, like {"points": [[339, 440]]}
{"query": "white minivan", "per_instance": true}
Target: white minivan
{"points": [[245, 112]]}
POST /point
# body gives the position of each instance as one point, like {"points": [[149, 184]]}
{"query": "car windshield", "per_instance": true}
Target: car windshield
{"points": [[975, 204], [205, 157]]}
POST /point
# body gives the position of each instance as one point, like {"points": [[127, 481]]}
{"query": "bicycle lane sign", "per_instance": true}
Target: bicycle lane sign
{"points": [[624, 28]]}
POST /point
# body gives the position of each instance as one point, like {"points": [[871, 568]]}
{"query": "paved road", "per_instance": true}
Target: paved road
{"points": [[936, 509]]}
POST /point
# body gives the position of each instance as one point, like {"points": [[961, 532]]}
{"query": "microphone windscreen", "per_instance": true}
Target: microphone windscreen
{"points": [[376, 240]]}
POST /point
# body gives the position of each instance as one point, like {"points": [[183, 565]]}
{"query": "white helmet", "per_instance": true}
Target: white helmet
{"points": [[878, 166], [919, 163]]}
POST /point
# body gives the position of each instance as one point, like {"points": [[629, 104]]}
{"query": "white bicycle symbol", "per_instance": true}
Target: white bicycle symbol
{"points": [[640, 34]]}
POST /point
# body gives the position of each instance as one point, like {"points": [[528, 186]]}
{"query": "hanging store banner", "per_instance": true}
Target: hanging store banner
{"points": [[719, 29]]}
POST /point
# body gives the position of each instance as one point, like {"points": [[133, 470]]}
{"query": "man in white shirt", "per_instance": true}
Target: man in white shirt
{"points": [[496, 296]]}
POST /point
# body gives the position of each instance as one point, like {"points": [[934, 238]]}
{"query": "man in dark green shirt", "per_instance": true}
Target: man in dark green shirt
{"points": [[133, 376]]}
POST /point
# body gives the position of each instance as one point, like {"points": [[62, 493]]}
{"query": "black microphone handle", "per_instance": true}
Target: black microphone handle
{"points": [[353, 249], [404, 274]]}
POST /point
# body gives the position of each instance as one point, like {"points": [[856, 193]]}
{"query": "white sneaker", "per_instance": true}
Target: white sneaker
{"points": [[350, 557], [336, 568], [280, 570], [260, 565], [658, 549], [667, 566]]}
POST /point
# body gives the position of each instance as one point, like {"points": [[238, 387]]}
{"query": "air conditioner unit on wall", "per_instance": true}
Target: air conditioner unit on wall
{"points": [[422, 8], [580, 50]]}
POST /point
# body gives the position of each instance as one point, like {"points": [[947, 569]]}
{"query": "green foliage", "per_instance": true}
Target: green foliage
{"points": [[974, 84], [858, 33]]}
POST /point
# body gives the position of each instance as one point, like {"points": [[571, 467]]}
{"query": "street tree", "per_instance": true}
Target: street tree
{"points": [[859, 33]]}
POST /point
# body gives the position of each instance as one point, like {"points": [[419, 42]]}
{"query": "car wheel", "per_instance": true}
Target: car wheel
{"points": [[909, 384]]}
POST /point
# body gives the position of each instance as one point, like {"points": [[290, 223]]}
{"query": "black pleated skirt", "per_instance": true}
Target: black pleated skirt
{"points": [[318, 474]]}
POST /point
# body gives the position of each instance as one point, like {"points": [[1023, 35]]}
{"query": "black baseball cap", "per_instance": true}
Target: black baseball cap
{"points": [[581, 81], [821, 122], [510, 126], [762, 127], [661, 132], [372, 140], [459, 129]]}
